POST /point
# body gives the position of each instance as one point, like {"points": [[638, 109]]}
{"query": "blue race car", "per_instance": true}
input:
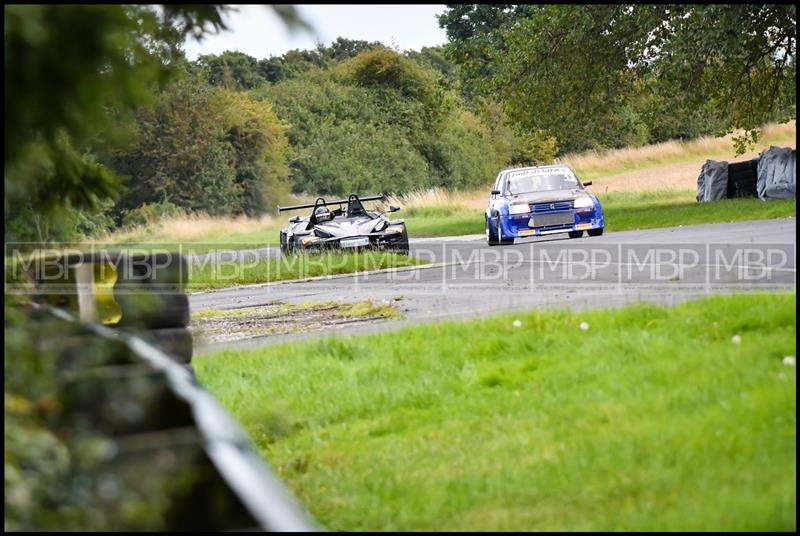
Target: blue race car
{"points": [[542, 200]]}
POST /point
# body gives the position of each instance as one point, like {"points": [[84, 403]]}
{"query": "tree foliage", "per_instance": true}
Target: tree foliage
{"points": [[206, 149], [381, 121], [474, 31], [73, 75], [231, 70], [236, 70], [58, 90], [613, 75]]}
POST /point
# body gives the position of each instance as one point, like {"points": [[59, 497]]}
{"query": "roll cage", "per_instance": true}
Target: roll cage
{"points": [[355, 207]]}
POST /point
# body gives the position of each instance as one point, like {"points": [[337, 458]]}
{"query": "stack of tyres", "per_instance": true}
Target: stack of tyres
{"points": [[138, 455], [742, 179], [142, 293], [150, 291]]}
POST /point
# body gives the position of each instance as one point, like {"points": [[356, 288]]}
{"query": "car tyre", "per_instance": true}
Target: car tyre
{"points": [[287, 247], [501, 239], [491, 238], [402, 246], [575, 234], [176, 342], [152, 310], [283, 243], [595, 232]]}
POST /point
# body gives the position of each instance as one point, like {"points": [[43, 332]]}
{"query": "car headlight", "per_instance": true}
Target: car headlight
{"points": [[521, 208], [395, 229], [584, 202], [381, 226], [308, 239]]}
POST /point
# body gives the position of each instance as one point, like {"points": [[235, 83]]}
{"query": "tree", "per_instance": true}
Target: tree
{"points": [[473, 32], [738, 60], [587, 74], [381, 121], [385, 69], [180, 155], [434, 58], [562, 73], [260, 149], [205, 148], [231, 70], [291, 65], [343, 48], [69, 71]]}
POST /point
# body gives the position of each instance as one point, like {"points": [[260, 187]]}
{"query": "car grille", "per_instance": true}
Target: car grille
{"points": [[555, 218], [556, 206]]}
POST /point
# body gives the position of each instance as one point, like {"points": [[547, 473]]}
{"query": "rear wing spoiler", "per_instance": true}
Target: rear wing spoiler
{"points": [[336, 202]]}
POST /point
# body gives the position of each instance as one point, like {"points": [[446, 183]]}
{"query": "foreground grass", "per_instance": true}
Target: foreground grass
{"points": [[213, 274], [623, 211], [652, 419]]}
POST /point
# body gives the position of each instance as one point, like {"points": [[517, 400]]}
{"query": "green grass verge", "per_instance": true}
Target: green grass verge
{"points": [[622, 211], [443, 221], [212, 274], [670, 208], [249, 240], [652, 419]]}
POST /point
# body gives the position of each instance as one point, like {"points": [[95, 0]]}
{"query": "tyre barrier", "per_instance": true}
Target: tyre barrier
{"points": [[173, 446], [718, 180], [128, 375], [742, 179], [142, 293], [176, 342]]}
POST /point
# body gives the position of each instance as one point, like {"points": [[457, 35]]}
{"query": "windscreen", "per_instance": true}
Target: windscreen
{"points": [[540, 180]]}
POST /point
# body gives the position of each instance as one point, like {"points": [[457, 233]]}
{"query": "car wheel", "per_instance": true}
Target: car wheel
{"points": [[595, 232], [500, 238], [575, 234], [290, 248], [402, 246], [491, 238], [283, 243]]}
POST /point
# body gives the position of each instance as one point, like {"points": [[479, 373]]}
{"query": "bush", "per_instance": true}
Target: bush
{"points": [[360, 158], [149, 213], [209, 149], [60, 225], [381, 123], [535, 148]]}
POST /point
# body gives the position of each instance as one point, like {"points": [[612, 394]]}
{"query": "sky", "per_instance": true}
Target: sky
{"points": [[258, 32]]}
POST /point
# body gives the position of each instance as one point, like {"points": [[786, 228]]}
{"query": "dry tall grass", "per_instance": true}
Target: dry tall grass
{"points": [[193, 227], [438, 197], [674, 150]]}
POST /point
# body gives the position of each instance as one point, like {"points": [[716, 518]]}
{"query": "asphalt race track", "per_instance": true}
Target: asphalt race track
{"points": [[469, 279]]}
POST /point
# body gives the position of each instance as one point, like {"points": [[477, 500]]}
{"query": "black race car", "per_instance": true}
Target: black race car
{"points": [[348, 226]]}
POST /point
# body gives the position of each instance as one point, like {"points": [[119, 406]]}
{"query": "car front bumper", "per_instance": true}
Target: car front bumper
{"points": [[381, 240], [519, 225]]}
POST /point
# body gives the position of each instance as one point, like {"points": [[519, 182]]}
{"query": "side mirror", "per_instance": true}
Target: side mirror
{"points": [[393, 208], [294, 219], [587, 183], [495, 192]]}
